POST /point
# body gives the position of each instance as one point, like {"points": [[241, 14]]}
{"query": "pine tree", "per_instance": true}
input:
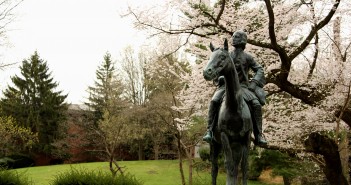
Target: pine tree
{"points": [[106, 89], [106, 104], [34, 102]]}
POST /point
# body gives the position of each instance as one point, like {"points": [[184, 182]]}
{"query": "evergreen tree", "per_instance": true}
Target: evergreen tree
{"points": [[106, 89], [108, 127], [34, 102]]}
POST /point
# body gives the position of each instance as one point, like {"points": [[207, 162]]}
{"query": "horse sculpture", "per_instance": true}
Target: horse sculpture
{"points": [[233, 129]]}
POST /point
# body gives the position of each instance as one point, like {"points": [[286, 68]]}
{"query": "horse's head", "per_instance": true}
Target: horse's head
{"points": [[218, 61]]}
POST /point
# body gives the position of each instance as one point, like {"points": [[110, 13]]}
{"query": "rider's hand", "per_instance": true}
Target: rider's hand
{"points": [[252, 86], [221, 81]]}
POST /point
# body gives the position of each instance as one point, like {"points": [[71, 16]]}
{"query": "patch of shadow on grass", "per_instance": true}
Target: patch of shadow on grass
{"points": [[152, 172]]}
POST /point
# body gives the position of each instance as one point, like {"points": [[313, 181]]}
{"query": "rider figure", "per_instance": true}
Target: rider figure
{"points": [[243, 62]]}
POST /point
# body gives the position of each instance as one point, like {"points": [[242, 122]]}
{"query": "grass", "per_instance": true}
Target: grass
{"points": [[161, 172]]}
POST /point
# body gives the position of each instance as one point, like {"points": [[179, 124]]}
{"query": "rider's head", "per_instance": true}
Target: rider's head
{"points": [[239, 39]]}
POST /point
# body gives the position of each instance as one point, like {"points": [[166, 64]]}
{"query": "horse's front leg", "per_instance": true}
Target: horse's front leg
{"points": [[215, 149], [229, 162]]}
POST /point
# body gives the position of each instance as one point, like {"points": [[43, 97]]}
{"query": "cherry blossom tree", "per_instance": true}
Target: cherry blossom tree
{"points": [[169, 75], [305, 56], [268, 30]]}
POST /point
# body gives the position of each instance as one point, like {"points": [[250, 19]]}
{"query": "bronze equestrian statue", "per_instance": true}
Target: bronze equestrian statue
{"points": [[230, 119], [243, 62]]}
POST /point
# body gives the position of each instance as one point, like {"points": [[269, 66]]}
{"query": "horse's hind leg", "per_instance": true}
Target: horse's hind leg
{"points": [[214, 153], [229, 162]]}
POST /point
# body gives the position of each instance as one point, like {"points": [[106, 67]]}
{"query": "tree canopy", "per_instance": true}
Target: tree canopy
{"points": [[303, 46], [107, 89], [34, 102]]}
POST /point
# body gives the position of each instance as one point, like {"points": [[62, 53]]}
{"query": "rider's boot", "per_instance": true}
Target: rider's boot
{"points": [[257, 114], [211, 121], [208, 136]]}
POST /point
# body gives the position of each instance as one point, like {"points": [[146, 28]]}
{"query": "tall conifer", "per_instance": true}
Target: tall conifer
{"points": [[34, 101], [107, 89]]}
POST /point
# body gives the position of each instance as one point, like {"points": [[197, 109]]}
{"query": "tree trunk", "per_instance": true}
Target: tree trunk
{"points": [[113, 171], [315, 58], [286, 180], [156, 150], [141, 150], [325, 146], [349, 156], [344, 154], [190, 161], [179, 146], [337, 50]]}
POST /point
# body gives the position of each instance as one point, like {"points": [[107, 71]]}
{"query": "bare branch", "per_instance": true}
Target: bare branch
{"points": [[315, 57], [220, 12], [272, 35], [2, 66], [344, 56], [314, 30], [178, 47], [336, 45]]}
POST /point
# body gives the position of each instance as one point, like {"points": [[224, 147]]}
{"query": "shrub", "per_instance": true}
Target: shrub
{"points": [[255, 165], [204, 153], [21, 161], [82, 176], [15, 138], [5, 162], [205, 156], [283, 164], [9, 177], [16, 161], [200, 165], [206, 180]]}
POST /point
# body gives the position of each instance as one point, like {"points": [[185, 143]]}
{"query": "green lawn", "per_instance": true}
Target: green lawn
{"points": [[161, 172]]}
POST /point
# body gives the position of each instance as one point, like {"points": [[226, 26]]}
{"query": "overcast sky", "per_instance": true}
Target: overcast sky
{"points": [[72, 36]]}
